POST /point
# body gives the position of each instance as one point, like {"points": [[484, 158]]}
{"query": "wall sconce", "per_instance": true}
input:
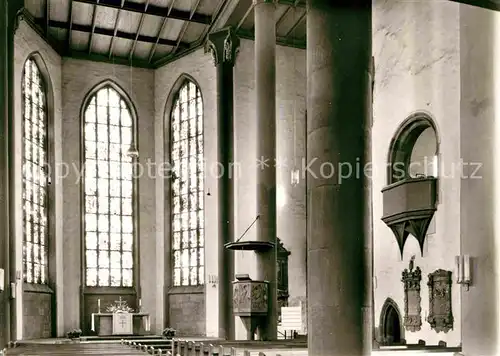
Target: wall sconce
{"points": [[213, 280], [295, 177], [133, 152], [2, 279], [463, 270]]}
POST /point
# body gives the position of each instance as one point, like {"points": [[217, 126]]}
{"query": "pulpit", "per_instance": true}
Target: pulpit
{"points": [[250, 302]]}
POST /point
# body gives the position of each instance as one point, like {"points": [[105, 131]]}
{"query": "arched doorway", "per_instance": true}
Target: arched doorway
{"points": [[391, 330]]}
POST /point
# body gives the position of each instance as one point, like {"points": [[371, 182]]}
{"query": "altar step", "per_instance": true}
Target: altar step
{"points": [[118, 338]]}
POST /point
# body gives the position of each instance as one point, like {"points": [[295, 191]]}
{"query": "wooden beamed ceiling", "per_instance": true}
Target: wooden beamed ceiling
{"points": [[151, 33]]}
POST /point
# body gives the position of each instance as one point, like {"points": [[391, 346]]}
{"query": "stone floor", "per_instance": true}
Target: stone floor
{"points": [[66, 347]]}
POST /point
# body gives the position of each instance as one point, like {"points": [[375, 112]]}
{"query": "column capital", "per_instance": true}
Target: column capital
{"points": [[223, 45]]}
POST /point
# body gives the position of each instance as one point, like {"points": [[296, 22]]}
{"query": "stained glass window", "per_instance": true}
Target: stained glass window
{"points": [[186, 139], [35, 175], [108, 191]]}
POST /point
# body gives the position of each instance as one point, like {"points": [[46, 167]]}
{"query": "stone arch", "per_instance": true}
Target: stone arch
{"points": [[402, 143], [172, 95], [391, 326], [169, 199], [123, 94], [49, 96]]}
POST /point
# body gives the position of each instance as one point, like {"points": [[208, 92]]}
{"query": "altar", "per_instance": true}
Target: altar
{"points": [[120, 319], [105, 324]]}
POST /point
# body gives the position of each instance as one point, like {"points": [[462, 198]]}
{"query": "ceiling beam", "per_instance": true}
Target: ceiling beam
{"points": [[115, 30], [296, 3], [119, 34], [185, 27], [37, 25], [219, 10], [139, 29], [220, 16], [282, 17], [84, 55], [249, 10], [91, 36], [282, 41], [163, 24], [47, 15], [70, 21], [296, 24], [226, 9], [152, 10]]}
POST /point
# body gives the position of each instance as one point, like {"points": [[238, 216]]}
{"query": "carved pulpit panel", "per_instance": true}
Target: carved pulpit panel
{"points": [[411, 280], [250, 297], [282, 273], [440, 314]]}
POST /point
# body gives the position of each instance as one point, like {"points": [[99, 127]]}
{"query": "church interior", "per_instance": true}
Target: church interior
{"points": [[249, 177]]}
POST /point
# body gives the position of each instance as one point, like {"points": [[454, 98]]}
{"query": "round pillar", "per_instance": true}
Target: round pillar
{"points": [[265, 92], [338, 111], [223, 46]]}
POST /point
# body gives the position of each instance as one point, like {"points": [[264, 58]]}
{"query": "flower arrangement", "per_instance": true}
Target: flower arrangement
{"points": [[74, 334], [168, 333], [120, 306]]}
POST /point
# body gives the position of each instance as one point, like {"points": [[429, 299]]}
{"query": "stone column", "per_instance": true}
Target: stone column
{"points": [[265, 93], [4, 219], [338, 107], [223, 45], [8, 25]]}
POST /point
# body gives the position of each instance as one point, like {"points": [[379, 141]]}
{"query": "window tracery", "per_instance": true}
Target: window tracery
{"points": [[186, 152]]}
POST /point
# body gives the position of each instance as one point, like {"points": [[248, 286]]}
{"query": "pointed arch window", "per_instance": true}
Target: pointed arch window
{"points": [[109, 186], [35, 169], [186, 152]]}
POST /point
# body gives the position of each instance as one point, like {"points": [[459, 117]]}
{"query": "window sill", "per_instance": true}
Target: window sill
{"points": [[37, 288], [187, 290]]}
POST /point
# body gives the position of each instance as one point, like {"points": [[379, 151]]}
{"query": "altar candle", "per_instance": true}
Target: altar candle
{"points": [[140, 302], [99, 304]]}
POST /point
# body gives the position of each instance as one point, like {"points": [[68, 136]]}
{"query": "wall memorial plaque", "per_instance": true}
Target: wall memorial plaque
{"points": [[440, 314], [411, 280]]}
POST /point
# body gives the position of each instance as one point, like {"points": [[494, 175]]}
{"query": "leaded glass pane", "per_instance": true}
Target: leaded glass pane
{"points": [[103, 277], [177, 276], [187, 185], [91, 241], [35, 182], [91, 259], [127, 277], [127, 242], [109, 190], [91, 280], [116, 241], [115, 277]]}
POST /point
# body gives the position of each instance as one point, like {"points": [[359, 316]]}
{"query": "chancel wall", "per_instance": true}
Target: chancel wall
{"points": [[36, 306], [79, 79], [416, 48], [188, 309]]}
